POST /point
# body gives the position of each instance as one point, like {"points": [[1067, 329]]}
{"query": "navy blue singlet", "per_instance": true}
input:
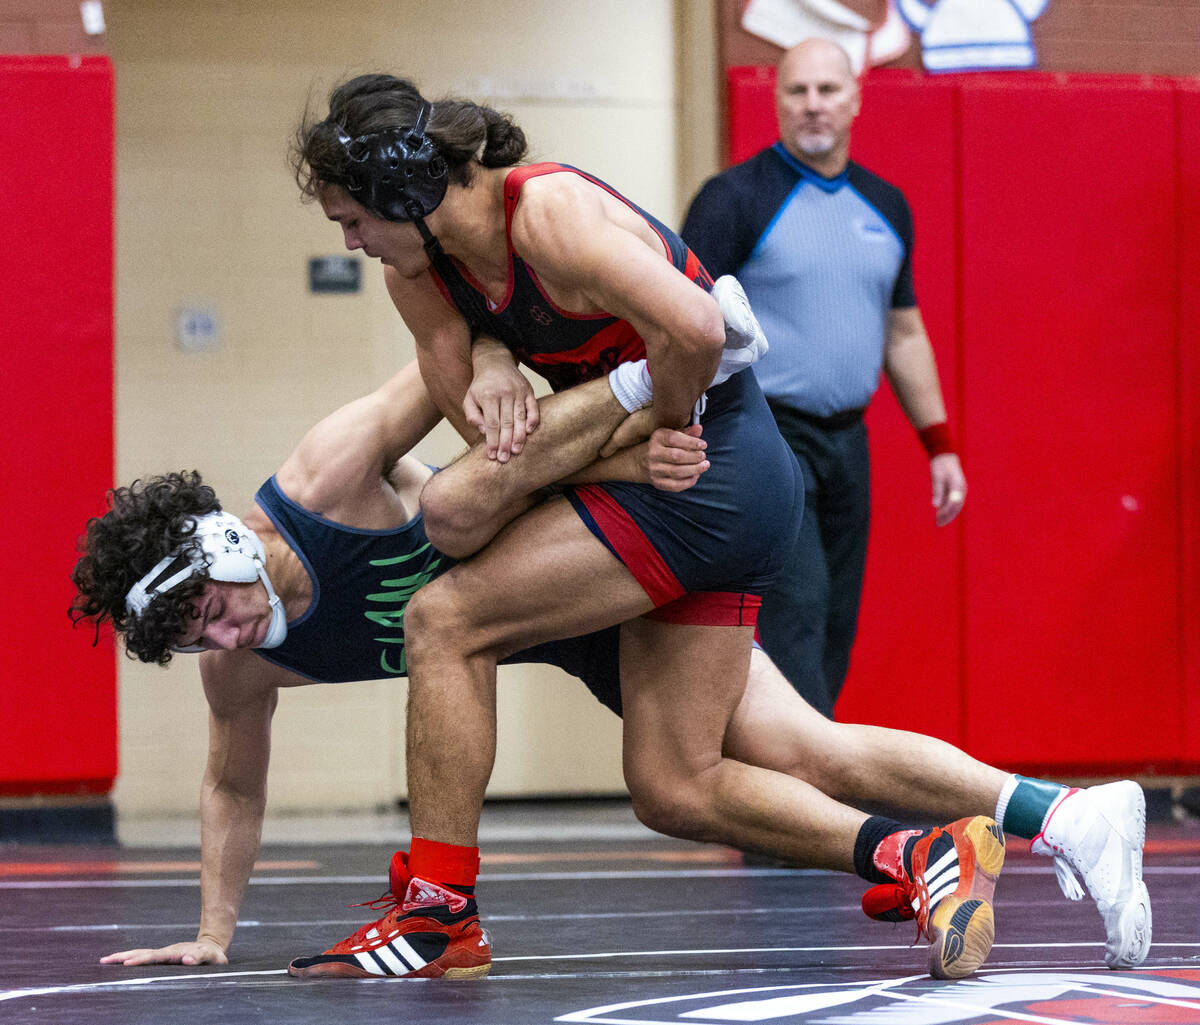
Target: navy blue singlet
{"points": [[362, 580]]}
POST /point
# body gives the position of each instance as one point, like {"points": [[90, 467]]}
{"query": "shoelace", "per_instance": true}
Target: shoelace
{"points": [[1066, 878], [384, 903], [387, 901], [920, 917]]}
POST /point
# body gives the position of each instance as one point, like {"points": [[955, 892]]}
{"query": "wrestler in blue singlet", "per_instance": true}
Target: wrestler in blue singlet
{"points": [[353, 629]]}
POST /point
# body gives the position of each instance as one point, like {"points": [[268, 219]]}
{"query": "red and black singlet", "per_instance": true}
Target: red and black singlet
{"points": [[563, 347]]}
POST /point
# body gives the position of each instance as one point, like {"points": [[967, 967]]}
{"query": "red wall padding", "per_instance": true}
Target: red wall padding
{"points": [[1188, 121], [57, 693], [1053, 628], [1070, 368]]}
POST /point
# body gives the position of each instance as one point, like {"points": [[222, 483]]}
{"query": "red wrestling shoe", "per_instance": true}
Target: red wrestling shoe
{"points": [[431, 933], [945, 881]]}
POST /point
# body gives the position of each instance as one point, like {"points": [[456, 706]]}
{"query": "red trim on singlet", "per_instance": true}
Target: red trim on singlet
{"points": [[693, 268], [441, 287], [632, 546], [710, 608], [620, 335], [470, 279], [641, 558]]}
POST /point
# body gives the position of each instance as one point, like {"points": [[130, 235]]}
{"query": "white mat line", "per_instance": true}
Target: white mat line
{"points": [[546, 876], [189, 977], [15, 994], [941, 998], [317, 923], [488, 919], [499, 877], [381, 880]]}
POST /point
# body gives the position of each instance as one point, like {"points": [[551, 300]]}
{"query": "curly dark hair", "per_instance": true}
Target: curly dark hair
{"points": [[462, 132], [146, 521]]}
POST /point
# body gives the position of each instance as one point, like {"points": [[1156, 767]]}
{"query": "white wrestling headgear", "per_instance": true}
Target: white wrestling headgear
{"points": [[230, 551]]}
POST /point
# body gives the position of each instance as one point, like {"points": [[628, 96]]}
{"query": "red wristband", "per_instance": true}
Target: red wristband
{"points": [[937, 439]]}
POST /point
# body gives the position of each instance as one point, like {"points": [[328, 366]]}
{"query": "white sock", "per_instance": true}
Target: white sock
{"points": [[1006, 793], [630, 383]]}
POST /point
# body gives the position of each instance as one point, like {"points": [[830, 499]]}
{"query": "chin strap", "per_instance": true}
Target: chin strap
{"points": [[277, 630]]}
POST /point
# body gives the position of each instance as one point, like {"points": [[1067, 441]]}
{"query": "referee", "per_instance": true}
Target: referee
{"points": [[823, 248]]}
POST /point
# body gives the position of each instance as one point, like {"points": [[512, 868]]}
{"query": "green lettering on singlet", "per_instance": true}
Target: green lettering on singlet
{"points": [[387, 667], [407, 586], [401, 589], [403, 558], [393, 618]]}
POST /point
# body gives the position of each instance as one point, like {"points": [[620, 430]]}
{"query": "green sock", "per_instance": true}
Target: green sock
{"points": [[1023, 804]]}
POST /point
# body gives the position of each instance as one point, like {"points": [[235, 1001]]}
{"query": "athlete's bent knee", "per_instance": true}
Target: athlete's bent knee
{"points": [[432, 622], [668, 809], [451, 522]]}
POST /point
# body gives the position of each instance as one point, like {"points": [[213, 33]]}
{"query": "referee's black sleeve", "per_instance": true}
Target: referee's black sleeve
{"points": [[714, 229]]}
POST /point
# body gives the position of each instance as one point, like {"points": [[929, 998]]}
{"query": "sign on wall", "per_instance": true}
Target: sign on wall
{"points": [[953, 35]]}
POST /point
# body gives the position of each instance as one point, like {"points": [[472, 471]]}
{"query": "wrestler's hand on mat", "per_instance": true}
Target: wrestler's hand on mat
{"points": [[949, 487], [500, 402], [193, 952], [675, 459]]}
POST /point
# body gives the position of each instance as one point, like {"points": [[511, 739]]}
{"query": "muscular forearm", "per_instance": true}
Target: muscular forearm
{"points": [[575, 424], [680, 375], [230, 834], [447, 375]]}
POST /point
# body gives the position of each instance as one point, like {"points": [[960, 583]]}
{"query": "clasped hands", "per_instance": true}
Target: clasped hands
{"points": [[500, 404]]}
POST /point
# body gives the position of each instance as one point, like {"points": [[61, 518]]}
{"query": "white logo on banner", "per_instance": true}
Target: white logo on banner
{"points": [[974, 35], [787, 22]]}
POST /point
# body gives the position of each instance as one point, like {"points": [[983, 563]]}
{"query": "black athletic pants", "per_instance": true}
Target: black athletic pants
{"points": [[809, 618]]}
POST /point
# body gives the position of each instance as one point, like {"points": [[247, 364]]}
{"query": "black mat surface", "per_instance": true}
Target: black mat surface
{"points": [[620, 933]]}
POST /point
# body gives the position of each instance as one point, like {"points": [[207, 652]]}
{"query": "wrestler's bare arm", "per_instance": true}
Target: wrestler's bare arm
{"points": [[337, 467], [443, 343], [588, 246], [242, 692]]}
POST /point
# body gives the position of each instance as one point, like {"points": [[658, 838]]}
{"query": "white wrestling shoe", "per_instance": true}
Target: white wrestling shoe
{"points": [[745, 342], [1099, 833]]}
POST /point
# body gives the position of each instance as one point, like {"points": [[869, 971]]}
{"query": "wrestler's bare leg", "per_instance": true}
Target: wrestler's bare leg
{"points": [[546, 576], [677, 700], [467, 503], [865, 766]]}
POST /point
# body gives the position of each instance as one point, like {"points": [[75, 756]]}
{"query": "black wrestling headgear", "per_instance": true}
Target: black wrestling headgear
{"points": [[397, 174]]}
